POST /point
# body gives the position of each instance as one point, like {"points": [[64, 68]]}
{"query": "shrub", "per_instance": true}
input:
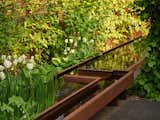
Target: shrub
{"points": [[28, 28], [148, 82]]}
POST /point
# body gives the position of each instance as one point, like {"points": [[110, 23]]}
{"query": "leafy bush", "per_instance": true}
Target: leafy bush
{"points": [[11, 30], [28, 28], [148, 82], [15, 109]]}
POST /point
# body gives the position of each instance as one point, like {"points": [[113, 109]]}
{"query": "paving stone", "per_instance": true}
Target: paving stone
{"points": [[131, 110]]}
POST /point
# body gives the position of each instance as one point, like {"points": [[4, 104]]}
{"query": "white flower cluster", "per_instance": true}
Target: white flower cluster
{"points": [[84, 40], [69, 41], [70, 49], [30, 64], [10, 63]]}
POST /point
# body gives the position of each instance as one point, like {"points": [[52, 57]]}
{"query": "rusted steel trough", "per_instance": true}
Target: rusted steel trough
{"points": [[85, 102]]}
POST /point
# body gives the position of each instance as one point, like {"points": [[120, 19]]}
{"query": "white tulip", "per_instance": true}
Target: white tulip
{"points": [[71, 40], [65, 52], [7, 63], [84, 39], [66, 41], [92, 41], [68, 49], [20, 59], [2, 76], [23, 56], [30, 66], [79, 38], [23, 59], [72, 51], [15, 61], [1, 68], [15, 56], [9, 57], [75, 44], [32, 59], [12, 68]]}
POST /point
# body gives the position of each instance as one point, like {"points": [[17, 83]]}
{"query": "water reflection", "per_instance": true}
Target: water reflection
{"points": [[120, 59]]}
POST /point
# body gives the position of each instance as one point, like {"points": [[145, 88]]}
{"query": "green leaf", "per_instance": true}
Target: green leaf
{"points": [[151, 63]]}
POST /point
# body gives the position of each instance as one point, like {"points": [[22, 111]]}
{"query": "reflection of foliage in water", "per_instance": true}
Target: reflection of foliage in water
{"points": [[67, 88], [119, 59], [104, 83]]}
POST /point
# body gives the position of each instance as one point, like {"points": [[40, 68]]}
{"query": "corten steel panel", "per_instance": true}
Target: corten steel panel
{"points": [[87, 76], [135, 66], [102, 73], [95, 73], [78, 78], [88, 109], [93, 105], [68, 102]]}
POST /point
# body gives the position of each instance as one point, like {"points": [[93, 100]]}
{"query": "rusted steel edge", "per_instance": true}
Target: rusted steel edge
{"points": [[87, 110], [135, 66], [101, 73], [47, 114], [78, 78], [86, 76], [67, 102], [69, 69]]}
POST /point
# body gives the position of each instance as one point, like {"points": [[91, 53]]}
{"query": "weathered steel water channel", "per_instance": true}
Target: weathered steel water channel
{"points": [[99, 87]]}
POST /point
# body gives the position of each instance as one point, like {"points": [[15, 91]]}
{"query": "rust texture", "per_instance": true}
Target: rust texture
{"points": [[79, 78], [136, 66], [88, 109], [62, 106], [104, 74]]}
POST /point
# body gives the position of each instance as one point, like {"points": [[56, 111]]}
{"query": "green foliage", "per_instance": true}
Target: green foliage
{"points": [[148, 82], [10, 28], [35, 87], [119, 59], [15, 109], [59, 32], [25, 30]]}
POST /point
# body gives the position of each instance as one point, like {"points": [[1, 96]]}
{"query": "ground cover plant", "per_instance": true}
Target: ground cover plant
{"points": [[58, 33]]}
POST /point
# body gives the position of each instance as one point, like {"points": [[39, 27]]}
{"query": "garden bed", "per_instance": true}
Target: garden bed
{"points": [[100, 88], [48, 95], [93, 83]]}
